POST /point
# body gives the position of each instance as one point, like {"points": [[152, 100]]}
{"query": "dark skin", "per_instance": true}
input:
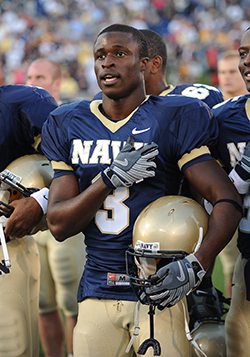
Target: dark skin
{"points": [[20, 223], [70, 212], [244, 63], [155, 81], [120, 74]]}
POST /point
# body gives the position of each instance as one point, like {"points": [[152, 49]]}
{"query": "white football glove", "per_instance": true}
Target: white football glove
{"points": [[174, 281], [131, 165]]}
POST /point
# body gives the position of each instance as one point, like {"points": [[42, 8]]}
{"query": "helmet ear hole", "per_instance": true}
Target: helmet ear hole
{"points": [[14, 194]]}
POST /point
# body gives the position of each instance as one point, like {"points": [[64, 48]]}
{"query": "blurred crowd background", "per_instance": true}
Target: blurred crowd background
{"points": [[195, 32]]}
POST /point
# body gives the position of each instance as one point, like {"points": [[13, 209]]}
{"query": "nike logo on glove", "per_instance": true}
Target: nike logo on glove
{"points": [[123, 163], [135, 131], [182, 275]]}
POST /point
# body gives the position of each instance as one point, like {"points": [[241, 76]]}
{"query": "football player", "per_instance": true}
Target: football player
{"points": [[233, 118], [206, 303], [101, 186], [231, 84], [155, 75], [23, 110], [61, 264]]}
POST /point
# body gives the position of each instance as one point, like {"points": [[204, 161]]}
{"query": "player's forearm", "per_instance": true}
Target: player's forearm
{"points": [[70, 215], [213, 184], [222, 224]]}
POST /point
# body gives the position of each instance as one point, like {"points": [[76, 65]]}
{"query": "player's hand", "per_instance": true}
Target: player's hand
{"points": [[26, 215], [131, 165], [175, 280]]}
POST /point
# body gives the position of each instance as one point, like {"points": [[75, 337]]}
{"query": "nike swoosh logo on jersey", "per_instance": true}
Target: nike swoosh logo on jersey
{"points": [[46, 198], [123, 163], [135, 131], [182, 275], [201, 292]]}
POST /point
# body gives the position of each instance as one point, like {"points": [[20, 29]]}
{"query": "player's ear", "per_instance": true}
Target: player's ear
{"points": [[156, 64], [144, 63]]}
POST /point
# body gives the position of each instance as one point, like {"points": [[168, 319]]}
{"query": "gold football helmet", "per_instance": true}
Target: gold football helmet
{"points": [[27, 174], [210, 338], [167, 229]]}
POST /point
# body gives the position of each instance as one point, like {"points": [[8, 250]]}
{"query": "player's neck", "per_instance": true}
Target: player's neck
{"points": [[157, 87], [120, 108]]}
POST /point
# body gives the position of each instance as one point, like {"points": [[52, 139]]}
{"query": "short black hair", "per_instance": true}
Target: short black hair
{"points": [[156, 46], [137, 36]]}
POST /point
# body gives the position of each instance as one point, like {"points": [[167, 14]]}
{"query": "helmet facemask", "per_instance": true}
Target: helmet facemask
{"points": [[168, 229]]}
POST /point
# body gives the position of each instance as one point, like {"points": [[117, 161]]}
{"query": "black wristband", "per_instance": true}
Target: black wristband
{"points": [[235, 203]]}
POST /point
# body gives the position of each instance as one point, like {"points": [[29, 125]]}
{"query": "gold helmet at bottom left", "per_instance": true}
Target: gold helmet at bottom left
{"points": [[31, 171]]}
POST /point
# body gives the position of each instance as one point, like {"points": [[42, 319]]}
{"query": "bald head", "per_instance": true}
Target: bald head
{"points": [[45, 74]]}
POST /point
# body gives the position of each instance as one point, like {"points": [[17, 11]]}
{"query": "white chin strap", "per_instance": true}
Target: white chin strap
{"points": [[4, 197], [197, 247], [188, 333]]}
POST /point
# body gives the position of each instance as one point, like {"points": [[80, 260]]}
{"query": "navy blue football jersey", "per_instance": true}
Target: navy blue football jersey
{"points": [[23, 110], [79, 139], [233, 117], [208, 94]]}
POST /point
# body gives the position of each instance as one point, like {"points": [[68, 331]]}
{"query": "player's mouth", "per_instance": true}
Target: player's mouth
{"points": [[247, 76], [109, 79]]}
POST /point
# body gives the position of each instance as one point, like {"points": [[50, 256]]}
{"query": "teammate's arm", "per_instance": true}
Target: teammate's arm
{"points": [[175, 280], [212, 183], [26, 215]]}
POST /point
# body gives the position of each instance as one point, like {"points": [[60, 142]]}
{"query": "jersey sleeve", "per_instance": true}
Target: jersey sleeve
{"points": [[194, 132], [55, 143], [35, 110], [208, 94]]}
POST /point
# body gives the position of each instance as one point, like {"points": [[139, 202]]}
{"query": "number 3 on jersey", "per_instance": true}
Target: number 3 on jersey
{"points": [[114, 216]]}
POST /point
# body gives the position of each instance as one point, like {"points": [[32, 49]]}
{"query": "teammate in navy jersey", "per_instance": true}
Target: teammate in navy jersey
{"points": [[233, 118], [58, 280], [206, 303], [23, 110], [22, 115], [155, 75], [82, 140]]}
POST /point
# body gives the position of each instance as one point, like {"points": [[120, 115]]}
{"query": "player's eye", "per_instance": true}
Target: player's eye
{"points": [[120, 54], [100, 56], [242, 54]]}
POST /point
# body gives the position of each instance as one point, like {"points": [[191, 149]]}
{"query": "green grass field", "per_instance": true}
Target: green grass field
{"points": [[218, 282], [218, 277]]}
